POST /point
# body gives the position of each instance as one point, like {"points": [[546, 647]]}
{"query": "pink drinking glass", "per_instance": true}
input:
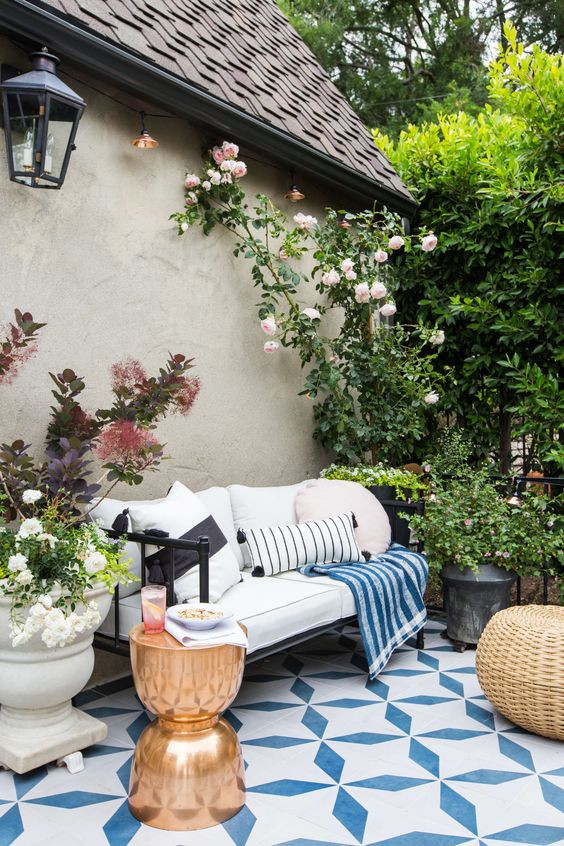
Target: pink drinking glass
{"points": [[153, 607]]}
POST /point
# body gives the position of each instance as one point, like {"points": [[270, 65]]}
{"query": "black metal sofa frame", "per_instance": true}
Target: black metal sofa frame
{"points": [[201, 546]]}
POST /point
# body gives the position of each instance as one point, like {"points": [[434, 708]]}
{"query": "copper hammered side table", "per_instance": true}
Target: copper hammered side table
{"points": [[188, 770]]}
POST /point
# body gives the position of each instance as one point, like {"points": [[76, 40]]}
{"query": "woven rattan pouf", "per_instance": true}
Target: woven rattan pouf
{"points": [[520, 665]]}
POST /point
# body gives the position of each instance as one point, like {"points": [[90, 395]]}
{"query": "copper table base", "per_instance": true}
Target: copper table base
{"points": [[188, 770]]}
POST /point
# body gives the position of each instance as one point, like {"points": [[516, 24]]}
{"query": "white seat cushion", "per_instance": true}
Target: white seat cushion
{"points": [[272, 609], [256, 507], [348, 607]]}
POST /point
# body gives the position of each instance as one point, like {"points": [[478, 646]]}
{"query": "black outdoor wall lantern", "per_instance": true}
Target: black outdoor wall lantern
{"points": [[41, 116]]}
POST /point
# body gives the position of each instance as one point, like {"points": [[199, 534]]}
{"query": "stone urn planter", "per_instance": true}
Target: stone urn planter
{"points": [[37, 721], [472, 598]]}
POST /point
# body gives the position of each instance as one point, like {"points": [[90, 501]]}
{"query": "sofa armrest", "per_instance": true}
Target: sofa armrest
{"points": [[201, 546]]}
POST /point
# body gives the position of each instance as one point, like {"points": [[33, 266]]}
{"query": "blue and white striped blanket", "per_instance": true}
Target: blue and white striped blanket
{"points": [[388, 593]]}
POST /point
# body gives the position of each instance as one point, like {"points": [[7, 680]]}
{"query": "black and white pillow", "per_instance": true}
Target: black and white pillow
{"points": [[276, 549], [181, 514]]}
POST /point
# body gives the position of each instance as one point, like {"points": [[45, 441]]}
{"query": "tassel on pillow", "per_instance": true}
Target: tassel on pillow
{"points": [[121, 523]]}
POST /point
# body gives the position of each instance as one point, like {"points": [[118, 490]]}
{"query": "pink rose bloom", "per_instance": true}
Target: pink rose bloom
{"points": [[350, 275], [215, 177], [271, 346], [312, 313], [331, 277], [378, 291], [239, 170], [282, 255], [206, 185], [468, 522], [230, 150], [191, 199], [388, 309], [192, 181], [218, 155], [306, 222], [431, 398], [437, 338], [228, 166], [347, 265], [381, 256], [226, 179], [429, 242], [362, 293], [396, 242], [268, 326]]}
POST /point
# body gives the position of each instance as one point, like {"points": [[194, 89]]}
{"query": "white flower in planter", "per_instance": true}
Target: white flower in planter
{"points": [[28, 528], [50, 539], [30, 496], [24, 577], [94, 562], [17, 562], [431, 398]]}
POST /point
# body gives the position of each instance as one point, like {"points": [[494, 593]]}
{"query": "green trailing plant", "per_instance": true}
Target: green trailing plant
{"points": [[493, 184], [467, 522], [406, 484], [373, 382]]}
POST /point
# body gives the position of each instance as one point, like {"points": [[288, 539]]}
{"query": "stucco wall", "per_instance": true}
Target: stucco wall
{"points": [[101, 263]]}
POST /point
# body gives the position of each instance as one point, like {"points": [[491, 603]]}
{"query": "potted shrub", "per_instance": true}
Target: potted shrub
{"points": [[479, 542], [57, 568]]}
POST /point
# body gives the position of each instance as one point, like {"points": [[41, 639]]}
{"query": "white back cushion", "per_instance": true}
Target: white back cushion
{"points": [[256, 507]]}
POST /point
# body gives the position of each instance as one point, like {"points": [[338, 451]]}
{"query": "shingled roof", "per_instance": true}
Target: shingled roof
{"points": [[248, 56]]}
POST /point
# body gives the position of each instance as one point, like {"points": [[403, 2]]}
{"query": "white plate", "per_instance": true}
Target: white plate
{"points": [[197, 624]]}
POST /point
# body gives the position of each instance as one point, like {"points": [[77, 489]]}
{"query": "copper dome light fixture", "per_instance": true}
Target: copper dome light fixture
{"points": [[144, 141], [293, 194]]}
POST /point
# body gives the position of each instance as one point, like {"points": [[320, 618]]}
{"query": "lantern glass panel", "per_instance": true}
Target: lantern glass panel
{"points": [[24, 120], [62, 117]]}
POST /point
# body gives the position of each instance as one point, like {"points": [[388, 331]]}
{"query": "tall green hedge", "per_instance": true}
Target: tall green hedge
{"points": [[492, 185]]}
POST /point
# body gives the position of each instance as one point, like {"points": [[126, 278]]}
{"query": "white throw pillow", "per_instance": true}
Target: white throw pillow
{"points": [[276, 549], [256, 507], [325, 497], [218, 502], [182, 514]]}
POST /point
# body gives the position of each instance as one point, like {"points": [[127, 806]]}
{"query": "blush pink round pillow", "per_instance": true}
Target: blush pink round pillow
{"points": [[323, 498]]}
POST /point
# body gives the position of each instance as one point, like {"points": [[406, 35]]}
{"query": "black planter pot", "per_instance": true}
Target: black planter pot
{"points": [[472, 598], [400, 527], [383, 491]]}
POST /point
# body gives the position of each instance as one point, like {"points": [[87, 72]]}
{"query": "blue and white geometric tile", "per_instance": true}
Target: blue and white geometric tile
{"points": [[417, 757]]}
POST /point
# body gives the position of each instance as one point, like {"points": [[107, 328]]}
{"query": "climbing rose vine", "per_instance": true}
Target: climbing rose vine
{"points": [[373, 379]]}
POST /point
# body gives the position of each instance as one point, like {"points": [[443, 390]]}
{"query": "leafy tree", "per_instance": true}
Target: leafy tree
{"points": [[394, 59], [493, 184]]}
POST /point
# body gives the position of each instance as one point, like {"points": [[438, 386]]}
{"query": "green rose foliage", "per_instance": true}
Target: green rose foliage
{"points": [[492, 183], [368, 377]]}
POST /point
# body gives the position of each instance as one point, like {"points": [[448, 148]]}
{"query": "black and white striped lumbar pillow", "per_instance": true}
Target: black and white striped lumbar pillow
{"points": [[276, 549]]}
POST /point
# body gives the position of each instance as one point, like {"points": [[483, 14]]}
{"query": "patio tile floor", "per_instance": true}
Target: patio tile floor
{"points": [[416, 758]]}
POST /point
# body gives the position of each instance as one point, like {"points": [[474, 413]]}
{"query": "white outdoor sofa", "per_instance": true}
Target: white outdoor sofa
{"points": [[278, 611]]}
